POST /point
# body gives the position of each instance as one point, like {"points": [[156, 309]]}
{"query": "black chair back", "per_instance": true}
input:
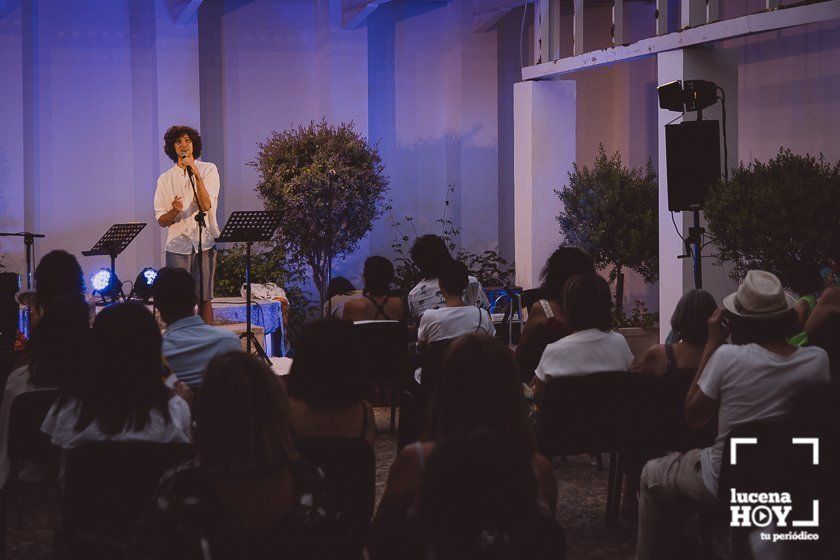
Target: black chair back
{"points": [[26, 441], [350, 468], [599, 412], [431, 362], [669, 430], [383, 347], [106, 488]]}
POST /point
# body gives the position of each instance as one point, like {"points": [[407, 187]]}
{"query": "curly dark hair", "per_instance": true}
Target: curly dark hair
{"points": [[429, 253], [564, 263], [176, 132]]}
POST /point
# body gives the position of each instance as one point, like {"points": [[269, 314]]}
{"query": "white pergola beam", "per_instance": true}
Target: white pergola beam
{"points": [[618, 22], [577, 37], [182, 11], [354, 15], [8, 6], [541, 30], [712, 11], [717, 31], [661, 17], [692, 13]]}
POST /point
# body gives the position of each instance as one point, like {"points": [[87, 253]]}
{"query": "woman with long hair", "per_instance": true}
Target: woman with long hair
{"points": [[246, 494], [478, 388], [122, 396]]}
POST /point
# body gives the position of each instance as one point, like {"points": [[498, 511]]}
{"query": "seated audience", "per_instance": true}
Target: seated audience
{"points": [[58, 273], [806, 283], [464, 511], [823, 325], [430, 254], [478, 388], [593, 346], [188, 342], [9, 318], [690, 331], [246, 494], [339, 292], [376, 305], [326, 384], [122, 396], [546, 321], [755, 378], [55, 358], [457, 317]]}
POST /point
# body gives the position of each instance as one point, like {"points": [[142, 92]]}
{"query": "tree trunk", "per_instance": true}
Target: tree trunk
{"points": [[619, 288]]}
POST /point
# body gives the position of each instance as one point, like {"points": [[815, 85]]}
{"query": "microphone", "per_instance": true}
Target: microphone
{"points": [[189, 169]]}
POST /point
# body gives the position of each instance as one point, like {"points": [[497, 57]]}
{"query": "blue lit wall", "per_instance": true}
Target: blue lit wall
{"points": [[88, 87]]}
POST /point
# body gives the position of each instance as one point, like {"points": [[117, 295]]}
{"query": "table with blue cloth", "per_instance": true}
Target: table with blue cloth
{"points": [[267, 314]]}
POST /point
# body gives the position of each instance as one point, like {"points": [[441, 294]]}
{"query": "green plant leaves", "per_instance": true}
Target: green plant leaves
{"points": [[770, 215]]}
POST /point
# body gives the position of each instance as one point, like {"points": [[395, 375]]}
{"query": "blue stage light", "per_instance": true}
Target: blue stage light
{"points": [[106, 284], [144, 283], [100, 280]]}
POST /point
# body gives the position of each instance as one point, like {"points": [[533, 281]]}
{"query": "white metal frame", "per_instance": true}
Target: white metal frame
{"points": [[700, 34]]}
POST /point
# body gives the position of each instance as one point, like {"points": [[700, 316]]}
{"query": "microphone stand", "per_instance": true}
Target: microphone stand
{"points": [[28, 242], [199, 217]]}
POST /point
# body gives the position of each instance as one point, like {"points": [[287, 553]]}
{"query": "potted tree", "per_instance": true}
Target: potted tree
{"points": [[770, 215], [328, 184], [610, 211]]}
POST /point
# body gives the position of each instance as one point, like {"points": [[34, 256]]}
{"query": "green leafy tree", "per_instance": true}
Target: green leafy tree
{"points": [[770, 215], [610, 211], [328, 184]]}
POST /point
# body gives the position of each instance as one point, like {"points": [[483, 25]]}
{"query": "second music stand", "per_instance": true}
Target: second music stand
{"points": [[114, 242], [250, 226]]}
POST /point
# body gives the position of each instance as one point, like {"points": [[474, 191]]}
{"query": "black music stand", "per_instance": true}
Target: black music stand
{"points": [[250, 226], [28, 241], [114, 242]]}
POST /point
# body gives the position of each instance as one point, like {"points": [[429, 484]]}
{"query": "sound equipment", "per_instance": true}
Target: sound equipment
{"points": [[692, 152]]}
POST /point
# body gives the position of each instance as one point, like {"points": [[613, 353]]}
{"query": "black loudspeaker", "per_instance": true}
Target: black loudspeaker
{"points": [[692, 153]]}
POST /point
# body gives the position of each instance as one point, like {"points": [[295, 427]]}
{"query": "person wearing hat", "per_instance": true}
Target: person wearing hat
{"points": [[823, 325], [753, 379]]}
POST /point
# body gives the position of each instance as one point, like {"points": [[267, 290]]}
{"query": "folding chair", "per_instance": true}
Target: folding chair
{"points": [[383, 347]]}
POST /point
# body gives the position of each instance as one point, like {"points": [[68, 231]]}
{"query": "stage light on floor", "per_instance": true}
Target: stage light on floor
{"points": [[105, 284], [144, 283]]}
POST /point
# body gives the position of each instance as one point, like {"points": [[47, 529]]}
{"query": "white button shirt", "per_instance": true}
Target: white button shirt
{"points": [[182, 236]]}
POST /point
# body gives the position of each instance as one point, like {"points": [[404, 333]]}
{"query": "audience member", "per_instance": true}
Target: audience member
{"points": [[546, 321], [122, 395], [9, 319], [806, 283], [430, 254], [188, 343], [478, 388], [823, 325], [58, 273], [55, 358], [689, 325], [593, 346], [457, 317], [376, 305], [246, 494], [478, 499], [326, 384], [339, 292], [755, 378]]}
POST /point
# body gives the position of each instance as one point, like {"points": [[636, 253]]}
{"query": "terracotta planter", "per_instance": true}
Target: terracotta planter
{"points": [[639, 339]]}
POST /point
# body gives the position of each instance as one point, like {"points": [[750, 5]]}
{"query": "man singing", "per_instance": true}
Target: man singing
{"points": [[176, 207]]}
